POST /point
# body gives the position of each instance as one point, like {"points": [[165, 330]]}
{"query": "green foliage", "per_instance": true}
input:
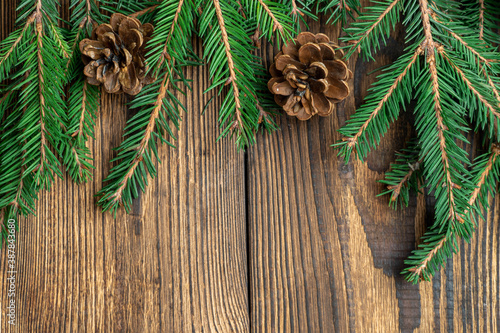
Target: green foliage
{"points": [[373, 27], [272, 19], [83, 100], [404, 176], [156, 105], [83, 103], [228, 48], [338, 9], [32, 62], [450, 67], [451, 73]]}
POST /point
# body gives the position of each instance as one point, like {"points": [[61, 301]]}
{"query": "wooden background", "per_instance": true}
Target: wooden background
{"points": [[281, 238]]}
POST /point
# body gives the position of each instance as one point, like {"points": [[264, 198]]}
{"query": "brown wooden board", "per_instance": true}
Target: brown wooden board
{"points": [[282, 238]]}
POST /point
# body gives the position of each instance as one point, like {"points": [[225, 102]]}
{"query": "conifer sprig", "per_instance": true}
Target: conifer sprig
{"points": [[438, 246], [273, 19], [156, 106], [338, 9], [32, 61], [373, 27], [450, 72], [83, 100], [228, 48], [404, 176]]}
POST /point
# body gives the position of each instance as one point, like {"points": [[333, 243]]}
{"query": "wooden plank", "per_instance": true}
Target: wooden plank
{"points": [[326, 254], [177, 263]]}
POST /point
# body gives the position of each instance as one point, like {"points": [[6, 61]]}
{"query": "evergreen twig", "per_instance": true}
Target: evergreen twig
{"points": [[453, 75]]}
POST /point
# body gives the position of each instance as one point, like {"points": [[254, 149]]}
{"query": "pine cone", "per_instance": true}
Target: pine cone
{"points": [[308, 76], [114, 56]]}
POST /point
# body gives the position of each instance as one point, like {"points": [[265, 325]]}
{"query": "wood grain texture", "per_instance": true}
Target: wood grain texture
{"points": [[177, 263], [282, 238], [326, 254]]}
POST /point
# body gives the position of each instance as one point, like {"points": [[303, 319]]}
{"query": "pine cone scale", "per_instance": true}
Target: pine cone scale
{"points": [[308, 76]]}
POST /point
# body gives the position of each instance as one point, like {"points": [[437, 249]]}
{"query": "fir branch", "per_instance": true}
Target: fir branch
{"points": [[83, 101], [338, 9], [457, 77], [492, 110], [229, 49], [41, 95], [113, 194], [376, 23], [10, 48], [170, 30], [83, 104], [355, 135], [405, 174], [155, 105], [433, 253], [442, 130]]}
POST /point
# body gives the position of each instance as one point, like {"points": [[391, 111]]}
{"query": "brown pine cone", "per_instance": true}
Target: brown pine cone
{"points": [[308, 76], [114, 56]]}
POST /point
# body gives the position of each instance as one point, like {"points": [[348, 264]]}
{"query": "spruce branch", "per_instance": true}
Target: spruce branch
{"points": [[229, 48], [31, 69], [405, 175], [437, 247], [373, 25], [12, 47], [453, 76], [83, 104], [155, 106], [136, 160], [42, 91], [83, 100], [338, 9], [369, 122], [272, 19]]}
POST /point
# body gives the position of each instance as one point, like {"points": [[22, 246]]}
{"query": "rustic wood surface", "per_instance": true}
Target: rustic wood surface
{"points": [[282, 238]]}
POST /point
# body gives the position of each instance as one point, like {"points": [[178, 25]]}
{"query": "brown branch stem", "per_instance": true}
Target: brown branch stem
{"points": [[230, 62], [142, 12], [276, 24], [295, 9]]}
